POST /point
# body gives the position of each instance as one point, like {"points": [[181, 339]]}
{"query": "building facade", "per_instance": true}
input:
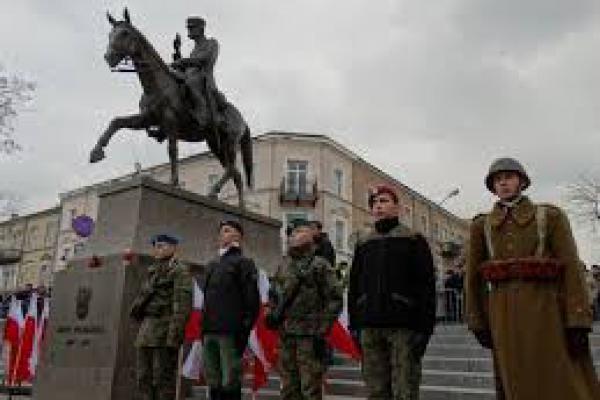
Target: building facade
{"points": [[295, 176], [34, 238]]}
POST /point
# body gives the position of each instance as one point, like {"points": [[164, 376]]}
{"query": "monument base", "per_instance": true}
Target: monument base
{"points": [[88, 352]]}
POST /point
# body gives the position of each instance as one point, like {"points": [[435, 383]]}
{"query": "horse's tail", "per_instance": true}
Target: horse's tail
{"points": [[246, 147]]}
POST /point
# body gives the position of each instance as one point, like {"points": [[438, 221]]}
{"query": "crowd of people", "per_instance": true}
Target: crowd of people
{"points": [[522, 278]]}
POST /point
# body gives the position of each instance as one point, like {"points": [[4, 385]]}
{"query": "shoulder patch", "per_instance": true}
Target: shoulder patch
{"points": [[549, 206]]}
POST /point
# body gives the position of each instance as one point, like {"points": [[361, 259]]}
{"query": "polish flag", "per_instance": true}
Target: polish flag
{"points": [[192, 366], [339, 336], [12, 335], [263, 342], [27, 344], [40, 334]]}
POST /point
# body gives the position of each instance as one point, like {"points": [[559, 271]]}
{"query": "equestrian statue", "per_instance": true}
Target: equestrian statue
{"points": [[180, 101]]}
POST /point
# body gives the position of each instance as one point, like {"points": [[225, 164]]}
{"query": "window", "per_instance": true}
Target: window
{"points": [[436, 231], [212, 180], [424, 224], [66, 254], [32, 236], [296, 176], [340, 234], [78, 248], [50, 234], [338, 181]]}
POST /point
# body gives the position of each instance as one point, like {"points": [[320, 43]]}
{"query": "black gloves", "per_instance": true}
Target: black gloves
{"points": [[418, 343], [484, 338], [577, 341]]}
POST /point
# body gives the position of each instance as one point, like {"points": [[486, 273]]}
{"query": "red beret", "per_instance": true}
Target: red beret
{"points": [[379, 190]]}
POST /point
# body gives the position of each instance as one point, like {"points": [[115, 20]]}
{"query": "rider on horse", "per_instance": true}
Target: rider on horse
{"points": [[198, 73]]}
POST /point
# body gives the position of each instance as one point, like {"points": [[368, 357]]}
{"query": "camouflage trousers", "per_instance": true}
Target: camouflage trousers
{"points": [[156, 373], [301, 368], [222, 363], [390, 368]]}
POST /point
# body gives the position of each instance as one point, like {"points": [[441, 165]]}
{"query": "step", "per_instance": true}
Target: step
{"points": [[342, 379], [467, 350], [468, 339], [427, 393]]}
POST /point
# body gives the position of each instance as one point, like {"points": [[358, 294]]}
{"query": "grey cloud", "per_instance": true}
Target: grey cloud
{"points": [[429, 91]]}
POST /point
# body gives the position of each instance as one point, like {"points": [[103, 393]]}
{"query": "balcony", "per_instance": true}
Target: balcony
{"points": [[450, 249], [300, 195], [9, 256]]}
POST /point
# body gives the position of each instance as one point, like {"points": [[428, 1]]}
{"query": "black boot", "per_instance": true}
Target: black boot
{"points": [[215, 394], [232, 394]]}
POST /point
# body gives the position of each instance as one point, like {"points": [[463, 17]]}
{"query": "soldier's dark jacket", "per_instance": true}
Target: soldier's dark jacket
{"points": [[392, 282], [166, 296], [319, 300], [231, 298]]}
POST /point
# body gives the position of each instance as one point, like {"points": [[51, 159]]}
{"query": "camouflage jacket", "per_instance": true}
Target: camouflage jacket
{"points": [[164, 302], [319, 299]]}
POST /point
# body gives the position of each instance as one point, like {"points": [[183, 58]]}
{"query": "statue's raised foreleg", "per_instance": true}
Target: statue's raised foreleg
{"points": [[136, 121], [173, 159]]}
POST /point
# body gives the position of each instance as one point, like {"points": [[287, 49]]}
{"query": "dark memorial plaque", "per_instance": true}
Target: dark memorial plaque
{"points": [[88, 353]]}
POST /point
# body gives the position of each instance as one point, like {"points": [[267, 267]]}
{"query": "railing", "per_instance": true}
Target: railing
{"points": [[303, 195], [450, 306], [9, 256], [450, 249]]}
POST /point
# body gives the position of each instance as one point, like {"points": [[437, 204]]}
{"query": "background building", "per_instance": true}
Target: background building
{"points": [[295, 176], [33, 237]]}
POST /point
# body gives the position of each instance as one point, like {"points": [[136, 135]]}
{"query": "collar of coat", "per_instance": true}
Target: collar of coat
{"points": [[166, 265], [522, 213]]}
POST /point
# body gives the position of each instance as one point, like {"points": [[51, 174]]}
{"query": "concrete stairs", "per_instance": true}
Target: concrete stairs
{"points": [[454, 367]]}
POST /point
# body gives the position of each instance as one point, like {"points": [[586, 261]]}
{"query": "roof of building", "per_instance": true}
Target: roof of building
{"points": [[22, 218]]}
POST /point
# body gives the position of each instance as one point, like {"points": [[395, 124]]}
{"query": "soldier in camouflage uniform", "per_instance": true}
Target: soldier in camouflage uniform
{"points": [[162, 307], [310, 300], [391, 301]]}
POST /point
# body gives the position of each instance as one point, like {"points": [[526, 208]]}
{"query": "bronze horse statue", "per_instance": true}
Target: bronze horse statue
{"points": [[166, 111]]}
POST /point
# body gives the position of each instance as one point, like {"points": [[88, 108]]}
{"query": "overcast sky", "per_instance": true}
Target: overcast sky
{"points": [[430, 92]]}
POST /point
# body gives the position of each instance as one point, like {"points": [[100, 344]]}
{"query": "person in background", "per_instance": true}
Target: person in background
{"points": [[323, 246]]}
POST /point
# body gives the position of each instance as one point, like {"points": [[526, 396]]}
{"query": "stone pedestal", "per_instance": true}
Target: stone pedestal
{"points": [[88, 353]]}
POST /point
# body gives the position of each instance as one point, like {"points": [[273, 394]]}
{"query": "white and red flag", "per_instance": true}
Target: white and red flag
{"points": [[339, 337], [192, 366], [27, 344], [40, 334], [13, 329], [263, 342]]}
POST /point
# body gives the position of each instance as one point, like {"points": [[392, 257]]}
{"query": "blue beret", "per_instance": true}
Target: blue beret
{"points": [[164, 238]]}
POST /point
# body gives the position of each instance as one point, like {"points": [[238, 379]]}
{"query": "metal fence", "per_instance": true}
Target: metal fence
{"points": [[450, 306]]}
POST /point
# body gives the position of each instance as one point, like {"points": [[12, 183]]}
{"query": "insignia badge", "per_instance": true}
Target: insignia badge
{"points": [[82, 302]]}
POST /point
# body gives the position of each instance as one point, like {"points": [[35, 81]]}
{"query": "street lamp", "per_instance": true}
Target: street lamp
{"points": [[452, 193]]}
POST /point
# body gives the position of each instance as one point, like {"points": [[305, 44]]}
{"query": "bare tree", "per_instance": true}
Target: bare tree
{"points": [[10, 203], [583, 198], [14, 93]]}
